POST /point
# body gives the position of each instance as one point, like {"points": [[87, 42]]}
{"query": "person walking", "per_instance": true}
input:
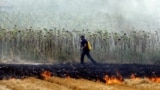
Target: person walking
{"points": [[85, 50]]}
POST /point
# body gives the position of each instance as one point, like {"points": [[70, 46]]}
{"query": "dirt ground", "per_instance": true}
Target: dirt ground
{"points": [[56, 83]]}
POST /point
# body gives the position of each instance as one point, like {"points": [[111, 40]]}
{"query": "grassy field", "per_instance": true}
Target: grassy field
{"points": [[55, 83], [61, 45]]}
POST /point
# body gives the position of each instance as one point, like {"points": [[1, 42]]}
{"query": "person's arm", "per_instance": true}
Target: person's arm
{"points": [[83, 44], [82, 47]]}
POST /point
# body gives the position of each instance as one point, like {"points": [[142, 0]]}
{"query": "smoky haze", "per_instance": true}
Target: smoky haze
{"points": [[83, 14]]}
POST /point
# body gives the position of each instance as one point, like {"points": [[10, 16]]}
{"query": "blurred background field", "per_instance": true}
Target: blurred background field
{"points": [[62, 46], [48, 31]]}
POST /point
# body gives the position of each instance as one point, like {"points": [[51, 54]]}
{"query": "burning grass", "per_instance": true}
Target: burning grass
{"points": [[118, 79], [155, 79], [46, 75], [79, 77], [110, 80], [56, 83]]}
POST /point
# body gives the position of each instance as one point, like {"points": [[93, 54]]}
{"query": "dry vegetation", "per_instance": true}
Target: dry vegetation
{"points": [[55, 83], [57, 45], [63, 46], [60, 45]]}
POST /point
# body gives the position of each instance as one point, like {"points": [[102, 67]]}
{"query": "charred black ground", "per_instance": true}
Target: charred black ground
{"points": [[87, 71]]}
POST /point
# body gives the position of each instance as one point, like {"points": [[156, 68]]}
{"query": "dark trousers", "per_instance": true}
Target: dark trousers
{"points": [[88, 55]]}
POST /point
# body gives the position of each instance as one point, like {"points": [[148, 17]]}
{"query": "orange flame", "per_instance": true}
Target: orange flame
{"points": [[46, 75], [155, 79], [112, 80], [118, 79]]}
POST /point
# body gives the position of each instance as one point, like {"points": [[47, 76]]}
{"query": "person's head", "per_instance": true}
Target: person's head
{"points": [[82, 37]]}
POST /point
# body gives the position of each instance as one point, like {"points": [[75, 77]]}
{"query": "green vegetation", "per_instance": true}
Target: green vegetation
{"points": [[54, 45]]}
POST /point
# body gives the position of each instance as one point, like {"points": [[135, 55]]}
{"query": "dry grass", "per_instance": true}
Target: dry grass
{"points": [[30, 84], [142, 84], [54, 45], [56, 83]]}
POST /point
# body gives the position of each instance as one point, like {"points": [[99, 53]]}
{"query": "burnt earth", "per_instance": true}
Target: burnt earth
{"points": [[87, 71]]}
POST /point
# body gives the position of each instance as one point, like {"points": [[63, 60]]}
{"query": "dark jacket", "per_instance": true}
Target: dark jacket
{"points": [[83, 42]]}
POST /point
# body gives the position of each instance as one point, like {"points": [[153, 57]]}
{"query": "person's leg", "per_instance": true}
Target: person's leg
{"points": [[89, 56], [82, 57]]}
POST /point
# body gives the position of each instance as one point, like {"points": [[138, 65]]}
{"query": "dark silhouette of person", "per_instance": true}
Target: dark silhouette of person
{"points": [[85, 50]]}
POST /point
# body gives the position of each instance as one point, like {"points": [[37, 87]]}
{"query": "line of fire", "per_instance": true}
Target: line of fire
{"points": [[107, 73]]}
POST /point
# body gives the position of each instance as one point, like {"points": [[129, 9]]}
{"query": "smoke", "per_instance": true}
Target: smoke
{"points": [[85, 14]]}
